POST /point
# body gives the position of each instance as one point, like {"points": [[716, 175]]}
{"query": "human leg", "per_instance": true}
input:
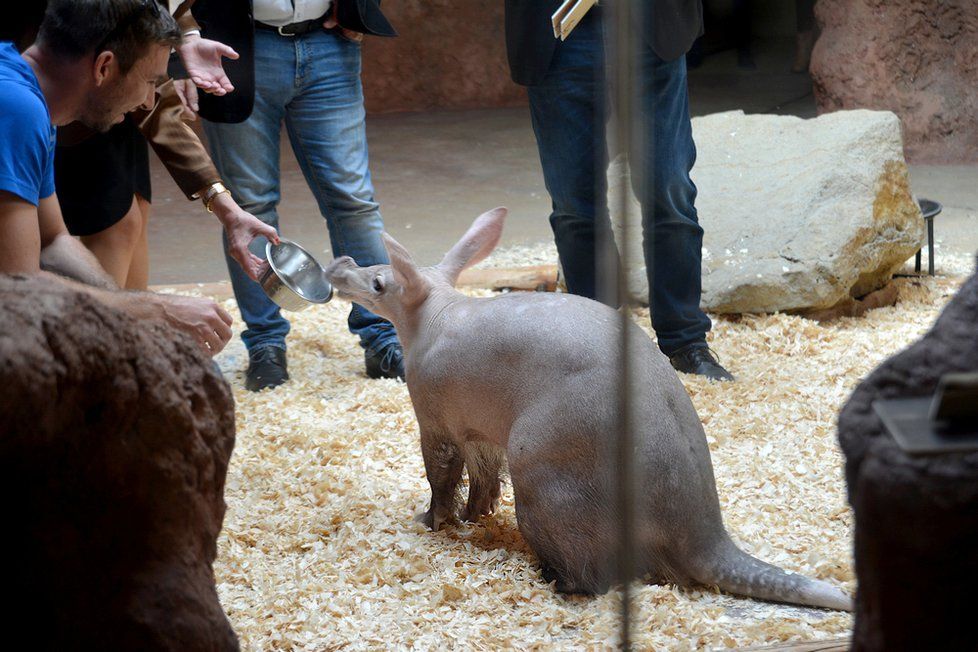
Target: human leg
{"points": [[138, 277], [114, 246], [326, 127], [805, 15], [742, 18], [100, 179], [568, 117], [247, 156], [672, 236], [805, 34]]}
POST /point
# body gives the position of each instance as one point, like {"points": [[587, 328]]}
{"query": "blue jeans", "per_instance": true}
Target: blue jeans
{"points": [[568, 113], [312, 84]]}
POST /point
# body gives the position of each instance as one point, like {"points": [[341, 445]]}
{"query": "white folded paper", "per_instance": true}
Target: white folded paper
{"points": [[568, 15]]}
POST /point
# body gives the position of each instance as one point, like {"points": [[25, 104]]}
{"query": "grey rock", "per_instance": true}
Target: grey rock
{"points": [[798, 214]]}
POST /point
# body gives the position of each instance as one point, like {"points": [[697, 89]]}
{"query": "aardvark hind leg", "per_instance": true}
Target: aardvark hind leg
{"points": [[483, 463]]}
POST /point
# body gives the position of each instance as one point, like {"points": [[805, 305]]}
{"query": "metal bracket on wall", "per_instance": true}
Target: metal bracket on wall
{"points": [[943, 423]]}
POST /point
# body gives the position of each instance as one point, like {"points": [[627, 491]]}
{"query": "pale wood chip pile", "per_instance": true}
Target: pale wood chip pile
{"points": [[320, 551]]}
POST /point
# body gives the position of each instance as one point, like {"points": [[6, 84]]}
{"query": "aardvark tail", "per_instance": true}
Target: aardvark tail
{"points": [[734, 571]]}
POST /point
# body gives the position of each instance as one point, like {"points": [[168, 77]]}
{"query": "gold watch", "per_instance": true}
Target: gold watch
{"points": [[212, 191]]}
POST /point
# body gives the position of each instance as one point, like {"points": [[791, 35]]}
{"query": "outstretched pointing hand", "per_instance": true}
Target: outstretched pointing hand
{"points": [[202, 59]]}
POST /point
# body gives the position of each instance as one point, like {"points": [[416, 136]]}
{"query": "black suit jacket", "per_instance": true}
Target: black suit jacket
{"points": [[669, 27], [232, 22]]}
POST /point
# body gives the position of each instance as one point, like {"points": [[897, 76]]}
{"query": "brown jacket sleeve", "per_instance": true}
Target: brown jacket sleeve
{"points": [[182, 12], [176, 143], [185, 19]]}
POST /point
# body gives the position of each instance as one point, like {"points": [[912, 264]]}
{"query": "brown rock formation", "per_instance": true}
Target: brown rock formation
{"points": [[114, 446], [449, 55], [917, 58], [916, 516]]}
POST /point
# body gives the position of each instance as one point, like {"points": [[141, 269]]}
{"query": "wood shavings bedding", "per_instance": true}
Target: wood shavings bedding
{"points": [[320, 551], [525, 255]]}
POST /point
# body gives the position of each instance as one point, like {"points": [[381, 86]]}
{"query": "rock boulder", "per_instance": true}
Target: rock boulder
{"points": [[799, 215], [115, 443], [918, 58]]}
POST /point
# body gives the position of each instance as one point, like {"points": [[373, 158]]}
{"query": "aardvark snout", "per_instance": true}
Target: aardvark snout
{"points": [[341, 273], [343, 262]]}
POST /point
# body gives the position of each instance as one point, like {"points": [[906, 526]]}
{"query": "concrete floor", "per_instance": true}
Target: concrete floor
{"points": [[434, 172]]}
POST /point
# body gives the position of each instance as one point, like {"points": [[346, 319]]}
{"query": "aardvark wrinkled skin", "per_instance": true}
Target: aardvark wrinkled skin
{"points": [[532, 379]]}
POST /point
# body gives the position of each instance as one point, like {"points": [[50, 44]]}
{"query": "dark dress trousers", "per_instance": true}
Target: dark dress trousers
{"points": [[668, 26]]}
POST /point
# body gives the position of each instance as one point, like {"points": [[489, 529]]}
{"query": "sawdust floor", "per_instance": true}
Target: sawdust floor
{"points": [[319, 549]]}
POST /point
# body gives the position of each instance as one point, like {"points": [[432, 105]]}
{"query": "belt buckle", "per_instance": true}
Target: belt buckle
{"points": [[281, 33]]}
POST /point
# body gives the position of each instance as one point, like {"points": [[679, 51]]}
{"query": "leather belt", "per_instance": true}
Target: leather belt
{"points": [[295, 29]]}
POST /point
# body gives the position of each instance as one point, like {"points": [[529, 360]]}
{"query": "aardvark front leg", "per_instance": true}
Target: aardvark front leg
{"points": [[443, 466]]}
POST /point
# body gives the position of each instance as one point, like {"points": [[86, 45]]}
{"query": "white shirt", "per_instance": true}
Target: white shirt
{"points": [[282, 12]]}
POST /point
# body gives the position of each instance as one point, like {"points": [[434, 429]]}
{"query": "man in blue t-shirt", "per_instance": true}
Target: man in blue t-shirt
{"points": [[93, 61], [27, 154]]}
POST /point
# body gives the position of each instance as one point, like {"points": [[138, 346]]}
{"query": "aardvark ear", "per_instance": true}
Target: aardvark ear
{"points": [[477, 243], [406, 273]]}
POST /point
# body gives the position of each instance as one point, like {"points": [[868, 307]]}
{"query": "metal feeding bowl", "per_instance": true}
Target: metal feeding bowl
{"points": [[294, 279]]}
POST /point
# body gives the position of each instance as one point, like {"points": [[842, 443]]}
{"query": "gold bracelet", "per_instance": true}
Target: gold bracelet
{"points": [[211, 193]]}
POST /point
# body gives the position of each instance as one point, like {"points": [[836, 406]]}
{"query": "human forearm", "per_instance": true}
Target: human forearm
{"points": [[66, 256], [241, 228], [34, 238], [139, 305], [201, 318], [62, 254], [176, 143]]}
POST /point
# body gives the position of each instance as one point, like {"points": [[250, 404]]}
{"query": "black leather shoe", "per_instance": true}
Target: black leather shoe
{"points": [[700, 360], [267, 368], [387, 362]]}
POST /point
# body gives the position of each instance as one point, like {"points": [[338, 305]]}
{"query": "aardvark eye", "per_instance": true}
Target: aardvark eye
{"points": [[378, 284]]}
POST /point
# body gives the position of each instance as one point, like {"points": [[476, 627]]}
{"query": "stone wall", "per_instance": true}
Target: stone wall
{"points": [[451, 54], [917, 58]]}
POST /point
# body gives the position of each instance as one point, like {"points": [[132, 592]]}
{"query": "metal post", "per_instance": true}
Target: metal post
{"points": [[930, 247], [623, 67]]}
